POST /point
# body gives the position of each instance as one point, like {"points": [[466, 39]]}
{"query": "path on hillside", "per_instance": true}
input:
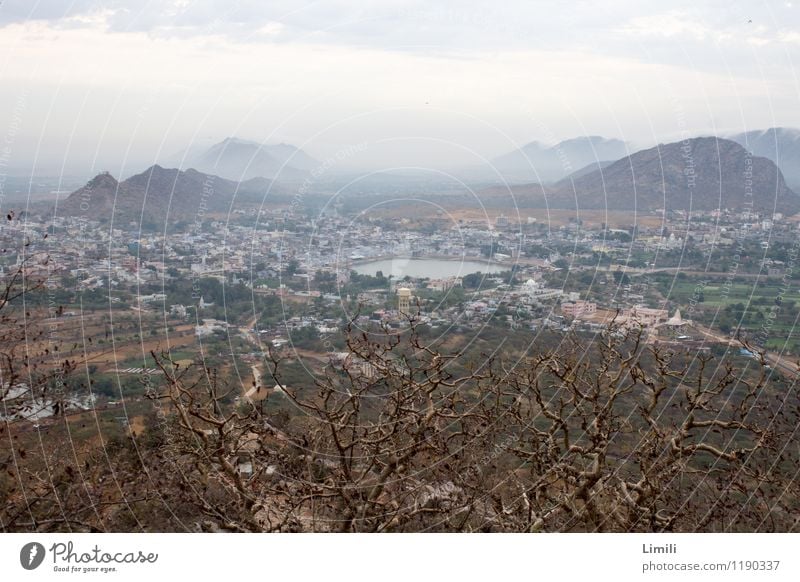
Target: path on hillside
{"points": [[778, 361]]}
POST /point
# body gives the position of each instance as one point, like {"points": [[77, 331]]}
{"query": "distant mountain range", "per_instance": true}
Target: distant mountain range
{"points": [[239, 159], [702, 173], [697, 174], [779, 144], [536, 162], [158, 195]]}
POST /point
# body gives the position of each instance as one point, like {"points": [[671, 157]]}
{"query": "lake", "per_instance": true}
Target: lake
{"points": [[430, 268]]}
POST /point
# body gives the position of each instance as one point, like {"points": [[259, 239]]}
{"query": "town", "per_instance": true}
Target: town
{"points": [[285, 279]]}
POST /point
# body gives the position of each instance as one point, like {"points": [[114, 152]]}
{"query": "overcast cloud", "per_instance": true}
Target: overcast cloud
{"points": [[116, 85]]}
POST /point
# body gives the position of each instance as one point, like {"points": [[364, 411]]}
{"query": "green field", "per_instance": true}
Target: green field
{"points": [[720, 293], [768, 308]]}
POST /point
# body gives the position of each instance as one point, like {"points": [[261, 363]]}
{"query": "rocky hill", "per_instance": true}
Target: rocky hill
{"points": [[157, 195], [703, 173]]}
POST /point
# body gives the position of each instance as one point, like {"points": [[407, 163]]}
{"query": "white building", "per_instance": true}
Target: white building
{"points": [[209, 326]]}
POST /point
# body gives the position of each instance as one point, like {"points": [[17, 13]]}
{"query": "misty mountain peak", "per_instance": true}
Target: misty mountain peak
{"points": [[234, 141], [240, 159], [539, 162], [779, 144]]}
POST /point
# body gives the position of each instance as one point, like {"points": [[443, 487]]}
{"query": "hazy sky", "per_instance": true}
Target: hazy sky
{"points": [[116, 85]]}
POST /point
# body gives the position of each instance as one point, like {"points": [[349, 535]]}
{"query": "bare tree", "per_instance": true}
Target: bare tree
{"points": [[26, 355], [47, 481], [609, 434]]}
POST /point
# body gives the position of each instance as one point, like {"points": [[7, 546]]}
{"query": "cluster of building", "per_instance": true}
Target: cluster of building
{"points": [[286, 253]]}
